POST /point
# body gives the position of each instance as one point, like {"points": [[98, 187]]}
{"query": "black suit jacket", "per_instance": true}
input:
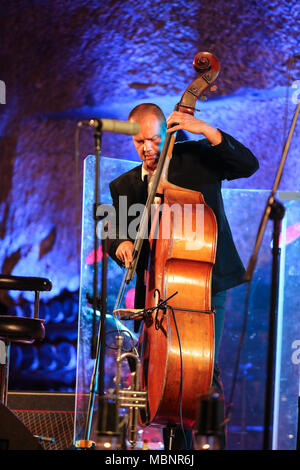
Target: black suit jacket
{"points": [[199, 166]]}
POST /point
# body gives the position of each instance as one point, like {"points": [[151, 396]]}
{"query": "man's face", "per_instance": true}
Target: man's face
{"points": [[149, 141]]}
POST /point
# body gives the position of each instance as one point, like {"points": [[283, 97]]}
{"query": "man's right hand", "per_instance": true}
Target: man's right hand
{"points": [[124, 253]]}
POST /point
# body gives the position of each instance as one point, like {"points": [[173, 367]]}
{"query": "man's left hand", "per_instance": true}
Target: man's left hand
{"points": [[178, 120]]}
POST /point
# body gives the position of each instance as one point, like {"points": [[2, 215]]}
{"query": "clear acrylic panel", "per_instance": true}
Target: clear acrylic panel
{"points": [[244, 210], [87, 325], [287, 378]]}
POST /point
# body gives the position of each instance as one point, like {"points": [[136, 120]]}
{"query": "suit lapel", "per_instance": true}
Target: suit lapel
{"points": [[137, 187]]}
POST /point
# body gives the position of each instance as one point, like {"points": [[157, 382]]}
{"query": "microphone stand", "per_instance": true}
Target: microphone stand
{"points": [[97, 146], [274, 210], [298, 426], [99, 365], [98, 341]]}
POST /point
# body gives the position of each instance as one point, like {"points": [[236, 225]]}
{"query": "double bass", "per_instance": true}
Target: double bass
{"points": [[177, 339]]}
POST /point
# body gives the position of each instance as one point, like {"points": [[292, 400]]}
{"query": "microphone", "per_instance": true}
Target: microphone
{"points": [[112, 125]]}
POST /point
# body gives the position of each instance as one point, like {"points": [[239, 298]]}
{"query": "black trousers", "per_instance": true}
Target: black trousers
{"points": [[184, 440]]}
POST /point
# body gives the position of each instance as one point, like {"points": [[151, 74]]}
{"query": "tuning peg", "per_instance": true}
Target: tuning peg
{"points": [[213, 88]]}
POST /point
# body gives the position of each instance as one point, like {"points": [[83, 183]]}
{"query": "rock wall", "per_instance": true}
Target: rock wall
{"points": [[62, 61]]}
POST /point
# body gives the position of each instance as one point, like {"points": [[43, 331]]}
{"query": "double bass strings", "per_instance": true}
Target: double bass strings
{"points": [[119, 300]]}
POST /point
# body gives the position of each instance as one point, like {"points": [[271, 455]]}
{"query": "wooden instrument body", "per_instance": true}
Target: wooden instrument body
{"points": [[181, 352]]}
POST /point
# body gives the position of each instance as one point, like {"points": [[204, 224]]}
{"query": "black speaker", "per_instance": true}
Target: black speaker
{"points": [[49, 415], [14, 435]]}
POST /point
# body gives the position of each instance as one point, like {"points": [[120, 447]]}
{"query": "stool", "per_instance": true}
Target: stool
{"points": [[19, 329]]}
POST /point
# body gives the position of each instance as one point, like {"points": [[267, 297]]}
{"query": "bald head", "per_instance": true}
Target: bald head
{"points": [[145, 109]]}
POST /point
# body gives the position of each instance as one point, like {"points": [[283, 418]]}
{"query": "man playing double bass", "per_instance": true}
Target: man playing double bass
{"points": [[199, 165]]}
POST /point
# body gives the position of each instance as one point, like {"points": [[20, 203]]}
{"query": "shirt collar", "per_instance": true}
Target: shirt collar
{"points": [[144, 173]]}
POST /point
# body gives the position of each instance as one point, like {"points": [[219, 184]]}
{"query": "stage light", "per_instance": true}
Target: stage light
{"points": [[108, 433], [208, 425], [107, 442]]}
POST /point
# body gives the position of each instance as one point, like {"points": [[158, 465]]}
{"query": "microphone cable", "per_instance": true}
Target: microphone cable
{"points": [[181, 376]]}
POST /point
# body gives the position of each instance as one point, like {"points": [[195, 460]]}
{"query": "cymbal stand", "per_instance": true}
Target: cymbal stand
{"points": [[274, 211]]}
